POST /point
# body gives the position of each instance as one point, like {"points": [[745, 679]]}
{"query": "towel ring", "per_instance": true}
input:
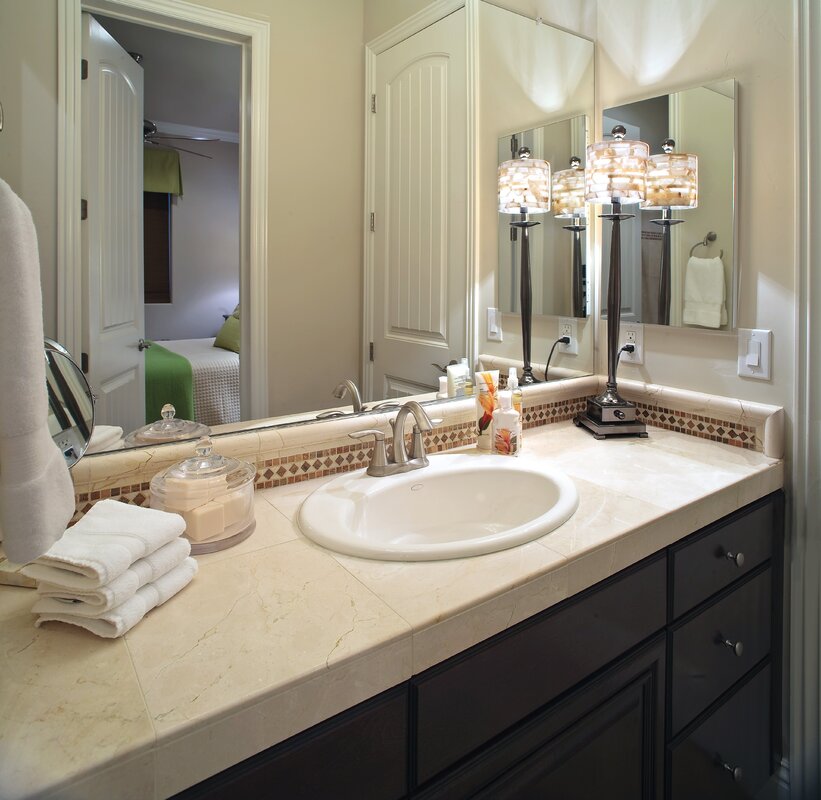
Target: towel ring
{"points": [[705, 242]]}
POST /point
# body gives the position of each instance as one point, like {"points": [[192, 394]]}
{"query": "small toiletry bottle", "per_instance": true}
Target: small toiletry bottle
{"points": [[442, 394], [468, 378], [506, 427], [516, 392], [456, 380]]}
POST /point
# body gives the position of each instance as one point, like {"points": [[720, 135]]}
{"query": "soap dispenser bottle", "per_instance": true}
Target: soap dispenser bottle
{"points": [[468, 377], [516, 392], [506, 427]]}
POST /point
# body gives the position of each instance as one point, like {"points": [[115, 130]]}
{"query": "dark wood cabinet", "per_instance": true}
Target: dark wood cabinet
{"points": [[634, 689]]}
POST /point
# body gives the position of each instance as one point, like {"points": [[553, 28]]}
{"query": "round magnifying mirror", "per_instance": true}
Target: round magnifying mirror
{"points": [[70, 403]]}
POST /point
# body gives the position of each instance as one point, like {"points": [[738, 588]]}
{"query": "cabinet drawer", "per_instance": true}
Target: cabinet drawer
{"points": [[472, 698], [736, 734], [704, 666], [701, 567]]}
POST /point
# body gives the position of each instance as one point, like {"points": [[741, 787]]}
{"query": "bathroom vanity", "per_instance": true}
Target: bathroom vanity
{"points": [[600, 660], [631, 689]]}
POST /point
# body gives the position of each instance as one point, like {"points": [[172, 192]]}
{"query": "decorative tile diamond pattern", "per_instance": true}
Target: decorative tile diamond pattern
{"points": [[346, 458]]}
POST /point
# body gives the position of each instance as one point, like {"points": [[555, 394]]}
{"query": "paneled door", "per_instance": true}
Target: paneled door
{"points": [[112, 233], [421, 206]]}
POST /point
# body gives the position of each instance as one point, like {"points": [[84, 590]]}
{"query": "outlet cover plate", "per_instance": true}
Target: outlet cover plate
{"points": [[568, 326], [754, 353], [632, 333]]}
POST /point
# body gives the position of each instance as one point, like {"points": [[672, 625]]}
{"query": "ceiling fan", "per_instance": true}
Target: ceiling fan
{"points": [[153, 136]]}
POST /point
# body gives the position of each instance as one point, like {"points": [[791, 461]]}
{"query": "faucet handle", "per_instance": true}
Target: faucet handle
{"points": [[379, 459], [417, 451]]}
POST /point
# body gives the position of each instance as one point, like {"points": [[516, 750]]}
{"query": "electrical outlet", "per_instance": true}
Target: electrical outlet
{"points": [[632, 333], [569, 327]]}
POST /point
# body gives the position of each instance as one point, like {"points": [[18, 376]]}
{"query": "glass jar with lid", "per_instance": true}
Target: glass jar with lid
{"points": [[167, 429]]}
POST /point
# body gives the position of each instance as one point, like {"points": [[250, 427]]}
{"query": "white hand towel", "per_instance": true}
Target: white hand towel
{"points": [[105, 437], [119, 620], [36, 492], [91, 602], [705, 293], [108, 540]]}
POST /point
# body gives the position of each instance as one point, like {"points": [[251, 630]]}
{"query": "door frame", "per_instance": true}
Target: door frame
{"points": [[418, 22], [253, 36]]}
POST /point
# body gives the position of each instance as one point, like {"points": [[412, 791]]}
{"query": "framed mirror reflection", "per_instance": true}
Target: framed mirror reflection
{"points": [[703, 268]]}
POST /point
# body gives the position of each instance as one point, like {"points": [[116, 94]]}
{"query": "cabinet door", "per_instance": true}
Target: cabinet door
{"points": [[605, 739]]}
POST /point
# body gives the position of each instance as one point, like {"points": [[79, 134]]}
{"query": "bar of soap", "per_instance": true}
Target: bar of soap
{"points": [[237, 506], [205, 521], [181, 495]]}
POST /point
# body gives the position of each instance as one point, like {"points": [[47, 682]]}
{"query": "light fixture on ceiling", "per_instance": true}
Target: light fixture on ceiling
{"points": [[524, 188], [616, 173], [672, 185], [152, 136]]}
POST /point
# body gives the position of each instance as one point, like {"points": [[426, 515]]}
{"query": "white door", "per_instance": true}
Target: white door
{"points": [[421, 206], [112, 184]]}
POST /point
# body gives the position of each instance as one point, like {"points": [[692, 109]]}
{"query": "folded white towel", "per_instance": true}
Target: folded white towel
{"points": [[91, 602], [108, 540], [105, 437], [36, 492], [705, 293], [119, 620]]}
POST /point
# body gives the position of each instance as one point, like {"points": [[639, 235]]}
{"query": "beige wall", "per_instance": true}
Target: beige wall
{"points": [[28, 143], [645, 48]]}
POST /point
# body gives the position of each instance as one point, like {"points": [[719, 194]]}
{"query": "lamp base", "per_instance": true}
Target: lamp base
{"points": [[528, 378], [604, 430]]}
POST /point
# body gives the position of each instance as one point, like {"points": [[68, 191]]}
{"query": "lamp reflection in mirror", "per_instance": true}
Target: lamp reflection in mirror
{"points": [[616, 173], [524, 188], [672, 185], [568, 203]]}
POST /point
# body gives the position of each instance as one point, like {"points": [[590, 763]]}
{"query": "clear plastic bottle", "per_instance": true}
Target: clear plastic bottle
{"points": [[516, 397], [468, 379]]}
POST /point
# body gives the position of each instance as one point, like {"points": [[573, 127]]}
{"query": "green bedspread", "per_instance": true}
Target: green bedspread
{"points": [[168, 379]]}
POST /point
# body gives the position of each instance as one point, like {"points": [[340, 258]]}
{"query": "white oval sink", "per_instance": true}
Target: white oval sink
{"points": [[460, 505]]}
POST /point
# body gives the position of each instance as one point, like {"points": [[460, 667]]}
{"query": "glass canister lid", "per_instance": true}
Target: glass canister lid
{"points": [[167, 429], [204, 465]]}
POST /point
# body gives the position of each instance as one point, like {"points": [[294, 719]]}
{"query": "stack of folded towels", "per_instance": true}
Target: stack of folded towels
{"points": [[111, 568]]}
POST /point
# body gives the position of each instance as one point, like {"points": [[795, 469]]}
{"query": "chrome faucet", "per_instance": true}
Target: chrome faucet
{"points": [[349, 386], [402, 461]]}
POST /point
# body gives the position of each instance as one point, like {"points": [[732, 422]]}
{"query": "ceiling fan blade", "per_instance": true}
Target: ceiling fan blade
{"points": [[193, 152], [187, 138]]}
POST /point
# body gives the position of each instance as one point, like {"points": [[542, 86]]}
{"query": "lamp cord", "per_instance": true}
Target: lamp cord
{"points": [[560, 340]]}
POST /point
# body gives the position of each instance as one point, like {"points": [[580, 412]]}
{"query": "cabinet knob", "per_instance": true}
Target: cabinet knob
{"points": [[738, 558], [736, 647], [736, 772]]}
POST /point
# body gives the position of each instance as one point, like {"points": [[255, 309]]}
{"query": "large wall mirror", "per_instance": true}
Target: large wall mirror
{"points": [[703, 267], [554, 92], [558, 280]]}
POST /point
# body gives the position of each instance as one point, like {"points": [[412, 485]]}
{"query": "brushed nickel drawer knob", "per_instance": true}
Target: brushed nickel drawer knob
{"points": [[736, 647], [736, 772], [738, 558]]}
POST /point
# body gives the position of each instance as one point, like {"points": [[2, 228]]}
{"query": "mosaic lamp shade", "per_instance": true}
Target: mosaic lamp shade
{"points": [[568, 191], [616, 170], [672, 179], [524, 185]]}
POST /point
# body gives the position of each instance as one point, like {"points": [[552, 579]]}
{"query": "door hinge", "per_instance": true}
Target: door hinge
{"points": [[373, 221], [84, 69], [84, 363], [83, 208], [373, 104], [370, 351]]}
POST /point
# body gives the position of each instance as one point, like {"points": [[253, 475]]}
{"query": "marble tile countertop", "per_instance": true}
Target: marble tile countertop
{"points": [[278, 634]]}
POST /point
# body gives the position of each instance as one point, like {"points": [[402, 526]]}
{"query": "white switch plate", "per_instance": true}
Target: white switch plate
{"points": [[568, 326], [494, 325], [632, 333], [754, 353]]}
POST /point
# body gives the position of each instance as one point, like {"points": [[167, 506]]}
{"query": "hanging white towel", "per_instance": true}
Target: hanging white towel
{"points": [[107, 541], [119, 620], [36, 492], [91, 602], [705, 293]]}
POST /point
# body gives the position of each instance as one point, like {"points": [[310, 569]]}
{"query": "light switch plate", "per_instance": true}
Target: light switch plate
{"points": [[494, 325], [754, 353], [568, 326]]}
